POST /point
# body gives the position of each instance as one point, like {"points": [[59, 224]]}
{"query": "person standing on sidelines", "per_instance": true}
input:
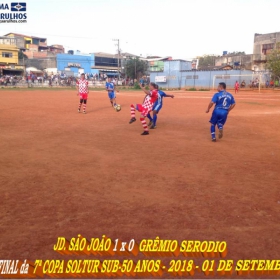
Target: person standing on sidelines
{"points": [[236, 87], [224, 102], [82, 87]]}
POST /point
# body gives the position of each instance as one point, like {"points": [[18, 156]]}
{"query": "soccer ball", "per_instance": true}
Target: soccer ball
{"points": [[118, 107]]}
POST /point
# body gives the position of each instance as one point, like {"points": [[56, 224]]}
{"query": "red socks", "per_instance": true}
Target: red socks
{"points": [[132, 111], [144, 124]]}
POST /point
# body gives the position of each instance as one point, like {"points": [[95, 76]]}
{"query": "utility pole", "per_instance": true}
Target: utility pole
{"points": [[118, 44]]}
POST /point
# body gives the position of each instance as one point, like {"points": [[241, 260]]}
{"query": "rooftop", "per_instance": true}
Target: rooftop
{"points": [[21, 35]]}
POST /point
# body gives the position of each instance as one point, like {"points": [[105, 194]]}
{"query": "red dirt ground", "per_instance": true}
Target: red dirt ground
{"points": [[64, 173]]}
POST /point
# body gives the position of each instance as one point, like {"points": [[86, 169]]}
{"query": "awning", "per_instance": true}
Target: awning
{"points": [[36, 71], [12, 70], [105, 70]]}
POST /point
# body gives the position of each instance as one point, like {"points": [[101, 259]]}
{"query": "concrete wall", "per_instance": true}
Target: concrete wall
{"points": [[202, 79], [40, 64]]}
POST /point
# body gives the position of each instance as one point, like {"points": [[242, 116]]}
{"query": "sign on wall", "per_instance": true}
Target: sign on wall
{"points": [[223, 77], [74, 64], [160, 79]]}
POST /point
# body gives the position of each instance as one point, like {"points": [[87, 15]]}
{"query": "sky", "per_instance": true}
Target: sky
{"points": [[181, 29]]}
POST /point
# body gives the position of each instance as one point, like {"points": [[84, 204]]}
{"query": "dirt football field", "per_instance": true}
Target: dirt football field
{"points": [[63, 173]]}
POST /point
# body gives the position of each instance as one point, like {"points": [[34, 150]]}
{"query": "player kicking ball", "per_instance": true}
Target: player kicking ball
{"points": [[110, 87], [224, 103], [82, 87], [146, 107], [157, 107]]}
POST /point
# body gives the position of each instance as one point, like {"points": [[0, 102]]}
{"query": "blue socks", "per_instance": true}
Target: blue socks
{"points": [[149, 117], [155, 119], [212, 129]]}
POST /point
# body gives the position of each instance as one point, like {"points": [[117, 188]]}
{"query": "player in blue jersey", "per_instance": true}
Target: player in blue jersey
{"points": [[110, 87], [224, 103], [156, 108]]}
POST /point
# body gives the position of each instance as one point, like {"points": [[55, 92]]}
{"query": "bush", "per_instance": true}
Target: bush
{"points": [[192, 89], [203, 89], [136, 86]]}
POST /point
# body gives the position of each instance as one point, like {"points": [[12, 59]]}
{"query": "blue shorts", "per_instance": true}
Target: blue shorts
{"points": [[157, 106], [219, 117], [111, 94]]}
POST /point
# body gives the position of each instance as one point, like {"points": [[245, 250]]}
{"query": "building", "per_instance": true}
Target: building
{"points": [[36, 47], [109, 64], [9, 57], [30, 42], [156, 63], [240, 61], [76, 63], [171, 74], [264, 44]]}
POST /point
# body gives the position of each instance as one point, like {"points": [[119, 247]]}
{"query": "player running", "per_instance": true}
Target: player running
{"points": [[146, 107], [82, 87], [110, 87], [156, 108], [224, 104], [236, 87]]}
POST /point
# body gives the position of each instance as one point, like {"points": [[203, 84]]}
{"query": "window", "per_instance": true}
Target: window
{"points": [[267, 47], [106, 61], [6, 54]]}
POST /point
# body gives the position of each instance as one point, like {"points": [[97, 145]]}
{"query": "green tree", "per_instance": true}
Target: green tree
{"points": [[136, 68], [237, 53], [273, 62], [206, 60]]}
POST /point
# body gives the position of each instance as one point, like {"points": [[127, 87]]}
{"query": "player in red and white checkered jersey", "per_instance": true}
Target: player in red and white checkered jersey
{"points": [[82, 87], [146, 107]]}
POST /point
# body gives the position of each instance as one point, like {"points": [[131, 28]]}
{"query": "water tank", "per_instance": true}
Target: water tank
{"points": [[70, 52], [224, 52]]}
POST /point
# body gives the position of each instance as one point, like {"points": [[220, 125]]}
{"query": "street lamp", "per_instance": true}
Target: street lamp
{"points": [[118, 44]]}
